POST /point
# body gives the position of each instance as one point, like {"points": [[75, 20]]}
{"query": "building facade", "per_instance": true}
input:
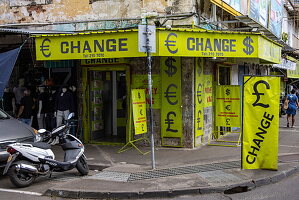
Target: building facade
{"points": [[95, 46]]}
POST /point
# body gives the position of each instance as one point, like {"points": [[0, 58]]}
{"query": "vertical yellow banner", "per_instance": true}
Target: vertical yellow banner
{"points": [[141, 82], [260, 122], [228, 106], [139, 111], [171, 111], [199, 98]]}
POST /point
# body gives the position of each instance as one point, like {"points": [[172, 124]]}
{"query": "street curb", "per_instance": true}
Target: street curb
{"points": [[227, 189], [98, 167]]}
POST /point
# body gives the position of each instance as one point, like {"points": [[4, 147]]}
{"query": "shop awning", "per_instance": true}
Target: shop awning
{"points": [[287, 63], [294, 73], [173, 42]]}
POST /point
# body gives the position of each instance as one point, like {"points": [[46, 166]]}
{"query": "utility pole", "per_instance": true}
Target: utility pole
{"points": [[149, 48]]}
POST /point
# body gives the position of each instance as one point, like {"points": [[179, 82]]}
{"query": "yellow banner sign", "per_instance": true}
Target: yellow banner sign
{"points": [[269, 51], [228, 107], [171, 110], [199, 99], [139, 111], [88, 46], [260, 122], [209, 44], [174, 43], [141, 82]]}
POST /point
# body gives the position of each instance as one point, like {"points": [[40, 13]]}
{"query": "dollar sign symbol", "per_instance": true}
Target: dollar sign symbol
{"points": [[171, 70], [249, 48], [227, 92]]}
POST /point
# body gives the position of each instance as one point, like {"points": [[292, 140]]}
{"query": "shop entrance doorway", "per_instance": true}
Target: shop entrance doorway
{"points": [[107, 105]]}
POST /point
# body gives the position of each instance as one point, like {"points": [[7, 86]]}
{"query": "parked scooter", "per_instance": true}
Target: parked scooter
{"points": [[27, 161]]}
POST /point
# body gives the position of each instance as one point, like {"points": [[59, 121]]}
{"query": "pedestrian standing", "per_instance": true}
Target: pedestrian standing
{"points": [[293, 104], [26, 108], [8, 102]]}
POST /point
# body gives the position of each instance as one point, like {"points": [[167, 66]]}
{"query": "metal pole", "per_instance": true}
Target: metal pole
{"points": [[149, 65]]}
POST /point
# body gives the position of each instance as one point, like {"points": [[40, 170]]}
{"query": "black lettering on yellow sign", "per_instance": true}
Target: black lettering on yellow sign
{"points": [[45, 47], [171, 69], [199, 93], [170, 43], [109, 45], [207, 44], [170, 121], [258, 94], [199, 120], [169, 95], [264, 125], [248, 47], [102, 61]]}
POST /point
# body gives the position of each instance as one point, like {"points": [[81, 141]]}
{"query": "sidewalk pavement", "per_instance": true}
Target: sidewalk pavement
{"points": [[207, 169]]}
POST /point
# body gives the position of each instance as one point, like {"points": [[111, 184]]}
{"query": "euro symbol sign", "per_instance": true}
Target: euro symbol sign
{"points": [[227, 107], [170, 95], [44, 48], [199, 93], [258, 94], [169, 121], [171, 43]]}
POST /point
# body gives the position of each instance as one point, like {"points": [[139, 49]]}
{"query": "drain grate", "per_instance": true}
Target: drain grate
{"points": [[160, 173], [183, 170]]}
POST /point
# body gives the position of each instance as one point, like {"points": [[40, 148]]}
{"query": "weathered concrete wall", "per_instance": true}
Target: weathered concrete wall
{"points": [[188, 101], [37, 11]]}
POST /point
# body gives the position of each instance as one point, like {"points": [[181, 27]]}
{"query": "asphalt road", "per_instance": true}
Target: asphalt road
{"points": [[8, 191]]}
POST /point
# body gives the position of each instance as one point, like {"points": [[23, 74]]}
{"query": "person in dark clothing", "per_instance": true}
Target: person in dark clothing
{"points": [[26, 108], [50, 109], [42, 106], [8, 102], [64, 105]]}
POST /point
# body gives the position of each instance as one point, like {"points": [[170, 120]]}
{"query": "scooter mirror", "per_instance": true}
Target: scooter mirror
{"points": [[41, 131], [71, 115]]}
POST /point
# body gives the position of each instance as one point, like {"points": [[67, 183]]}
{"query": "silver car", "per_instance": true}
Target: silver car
{"points": [[11, 131]]}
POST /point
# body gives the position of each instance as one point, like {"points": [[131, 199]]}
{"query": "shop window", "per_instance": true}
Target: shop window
{"points": [[224, 77]]}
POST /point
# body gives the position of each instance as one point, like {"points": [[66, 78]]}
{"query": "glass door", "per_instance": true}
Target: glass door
{"points": [[107, 106]]}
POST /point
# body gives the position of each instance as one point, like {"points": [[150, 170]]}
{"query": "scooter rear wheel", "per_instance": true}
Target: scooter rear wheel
{"points": [[82, 166], [20, 179]]}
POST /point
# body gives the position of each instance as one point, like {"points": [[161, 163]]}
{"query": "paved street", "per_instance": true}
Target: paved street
{"points": [[173, 171]]}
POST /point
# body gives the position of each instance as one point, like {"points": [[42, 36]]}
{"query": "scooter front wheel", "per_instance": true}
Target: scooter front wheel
{"points": [[82, 166], [20, 179]]}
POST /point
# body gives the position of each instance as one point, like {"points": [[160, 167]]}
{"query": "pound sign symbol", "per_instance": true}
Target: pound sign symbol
{"points": [[258, 94], [169, 121]]}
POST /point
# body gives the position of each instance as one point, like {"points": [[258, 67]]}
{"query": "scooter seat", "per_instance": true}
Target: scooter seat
{"points": [[41, 145]]}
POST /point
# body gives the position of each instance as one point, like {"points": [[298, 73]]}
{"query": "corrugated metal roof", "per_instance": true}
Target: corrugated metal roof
{"points": [[33, 32]]}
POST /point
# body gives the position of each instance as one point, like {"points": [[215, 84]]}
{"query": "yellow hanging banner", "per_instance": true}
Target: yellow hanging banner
{"points": [[139, 111], [260, 122], [228, 108], [199, 98], [171, 101]]}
